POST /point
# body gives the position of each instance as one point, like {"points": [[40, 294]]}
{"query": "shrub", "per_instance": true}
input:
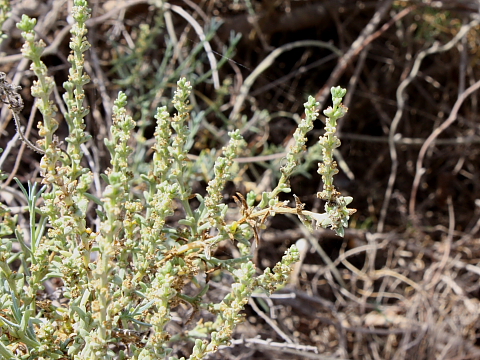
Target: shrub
{"points": [[118, 283]]}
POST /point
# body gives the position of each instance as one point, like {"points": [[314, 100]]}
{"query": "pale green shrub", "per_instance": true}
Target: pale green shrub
{"points": [[123, 279]]}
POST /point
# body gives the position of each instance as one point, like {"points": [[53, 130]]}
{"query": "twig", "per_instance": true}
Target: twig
{"points": [[267, 62], [366, 37], [271, 322], [330, 265], [198, 29], [428, 143], [435, 48], [10, 145], [22, 147], [10, 96], [22, 136], [304, 350], [249, 159], [399, 140]]}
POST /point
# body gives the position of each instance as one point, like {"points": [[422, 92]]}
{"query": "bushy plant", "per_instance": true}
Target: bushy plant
{"points": [[121, 279]]}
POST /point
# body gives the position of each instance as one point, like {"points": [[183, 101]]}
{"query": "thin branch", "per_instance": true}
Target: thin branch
{"points": [[435, 48], [420, 170]]}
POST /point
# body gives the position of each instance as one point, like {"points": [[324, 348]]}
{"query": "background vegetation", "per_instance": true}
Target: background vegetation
{"points": [[404, 282]]}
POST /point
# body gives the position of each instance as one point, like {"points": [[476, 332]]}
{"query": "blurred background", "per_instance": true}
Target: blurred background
{"points": [[404, 282]]}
